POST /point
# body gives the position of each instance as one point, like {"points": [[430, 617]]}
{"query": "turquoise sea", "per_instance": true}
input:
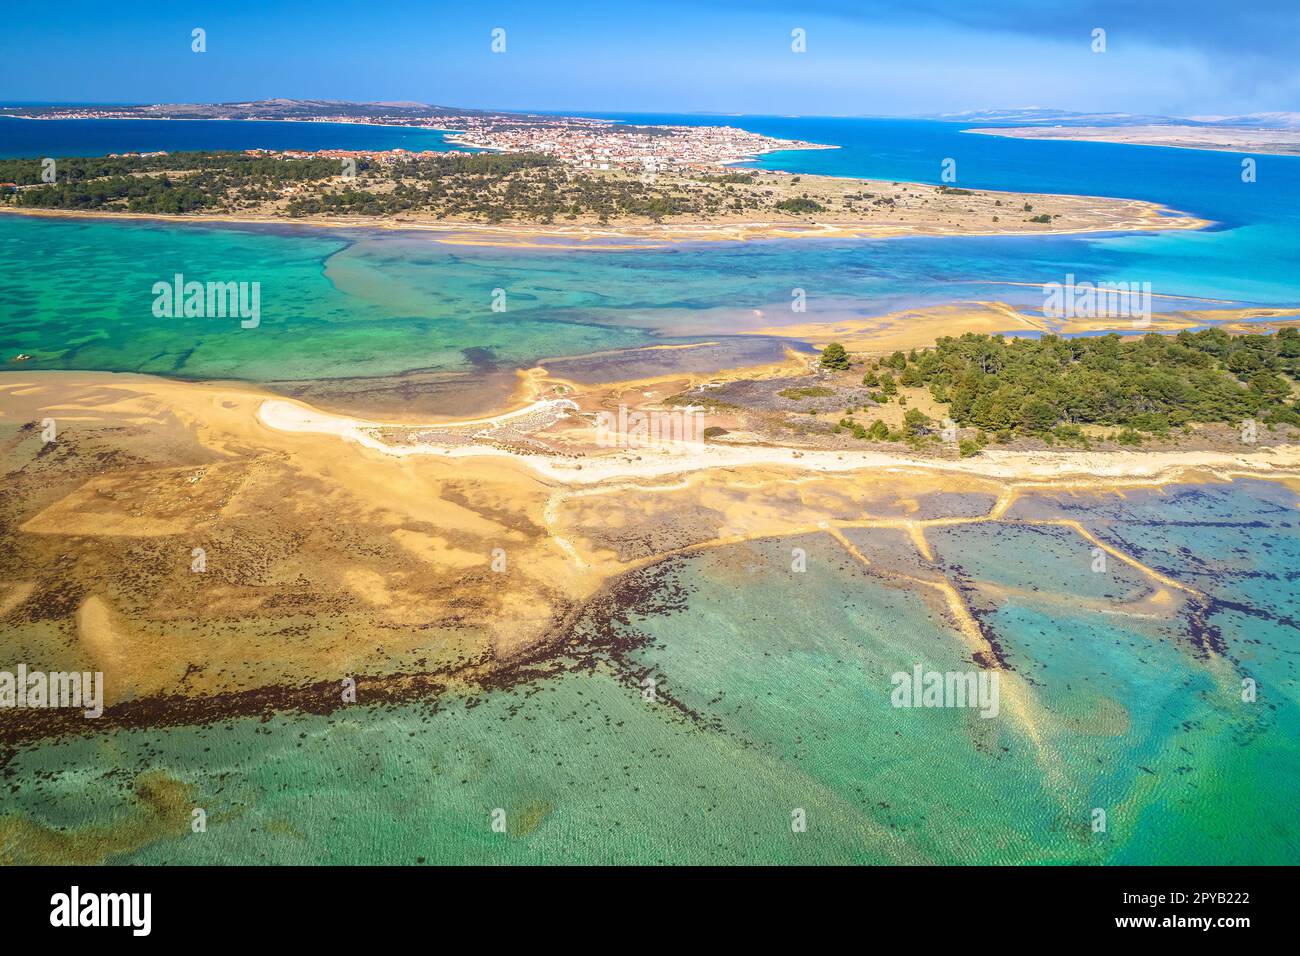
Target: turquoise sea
{"points": [[776, 698], [775, 686], [77, 294]]}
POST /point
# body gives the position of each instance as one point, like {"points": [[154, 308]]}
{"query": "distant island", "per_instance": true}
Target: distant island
{"points": [[1282, 142], [1277, 133], [397, 113]]}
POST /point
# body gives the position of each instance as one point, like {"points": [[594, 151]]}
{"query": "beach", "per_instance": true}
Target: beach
{"points": [[918, 328], [668, 458]]}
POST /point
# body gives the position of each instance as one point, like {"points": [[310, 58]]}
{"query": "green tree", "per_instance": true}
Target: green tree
{"points": [[834, 357], [916, 422], [1038, 415]]}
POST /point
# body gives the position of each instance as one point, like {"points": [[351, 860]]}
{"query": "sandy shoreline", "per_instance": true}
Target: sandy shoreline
{"points": [[920, 328], [1125, 216], [577, 462], [336, 545], [677, 458]]}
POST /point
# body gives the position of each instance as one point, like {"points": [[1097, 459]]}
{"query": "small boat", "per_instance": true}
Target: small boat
{"points": [[22, 357]]}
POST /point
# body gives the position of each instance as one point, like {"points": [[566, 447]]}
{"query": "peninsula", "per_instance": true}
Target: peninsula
{"points": [[527, 195]]}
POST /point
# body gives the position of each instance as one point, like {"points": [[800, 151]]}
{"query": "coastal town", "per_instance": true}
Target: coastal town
{"points": [[589, 144], [600, 144], [583, 142]]}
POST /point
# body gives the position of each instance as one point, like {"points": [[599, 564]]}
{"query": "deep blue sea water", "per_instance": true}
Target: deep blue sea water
{"points": [[1204, 182], [28, 138], [1252, 252]]}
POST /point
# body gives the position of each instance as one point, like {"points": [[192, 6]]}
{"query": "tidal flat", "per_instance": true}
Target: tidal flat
{"points": [[664, 671], [772, 698]]}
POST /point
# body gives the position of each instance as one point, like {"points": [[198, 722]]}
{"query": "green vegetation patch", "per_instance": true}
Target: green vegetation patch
{"points": [[1149, 384], [800, 204], [806, 391]]}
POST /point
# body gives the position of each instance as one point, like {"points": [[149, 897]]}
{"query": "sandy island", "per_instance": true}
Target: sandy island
{"points": [[1280, 142], [919, 328]]}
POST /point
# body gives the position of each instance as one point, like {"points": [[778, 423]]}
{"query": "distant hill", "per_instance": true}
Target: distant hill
{"points": [[1279, 120], [1038, 116], [257, 109]]}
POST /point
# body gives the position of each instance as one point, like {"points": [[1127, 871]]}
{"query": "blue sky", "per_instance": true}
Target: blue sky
{"points": [[1180, 57]]}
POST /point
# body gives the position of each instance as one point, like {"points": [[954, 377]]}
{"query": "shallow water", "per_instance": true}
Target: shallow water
{"points": [[773, 695], [773, 685], [351, 303]]}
